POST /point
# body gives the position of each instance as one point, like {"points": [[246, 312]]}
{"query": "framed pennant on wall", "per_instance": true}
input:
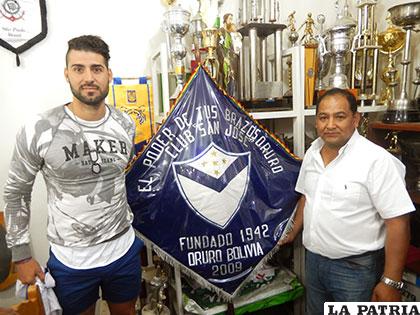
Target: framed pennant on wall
{"points": [[23, 23]]}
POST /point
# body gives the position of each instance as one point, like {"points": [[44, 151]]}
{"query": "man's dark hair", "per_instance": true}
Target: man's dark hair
{"points": [[226, 16], [351, 100], [89, 43]]}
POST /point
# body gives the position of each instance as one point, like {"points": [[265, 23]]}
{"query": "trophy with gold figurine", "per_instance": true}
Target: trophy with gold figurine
{"points": [[391, 40], [210, 41], [403, 109], [310, 43], [293, 37], [177, 21]]}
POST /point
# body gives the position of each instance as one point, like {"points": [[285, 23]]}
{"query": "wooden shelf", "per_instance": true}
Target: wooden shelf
{"points": [[414, 126]]}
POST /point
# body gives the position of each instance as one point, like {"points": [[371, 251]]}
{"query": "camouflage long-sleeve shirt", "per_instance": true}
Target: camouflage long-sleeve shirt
{"points": [[84, 208]]}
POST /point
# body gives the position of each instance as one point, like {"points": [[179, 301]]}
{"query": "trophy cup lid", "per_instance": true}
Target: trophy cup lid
{"points": [[407, 14], [177, 20], [344, 19], [197, 23], [177, 12]]}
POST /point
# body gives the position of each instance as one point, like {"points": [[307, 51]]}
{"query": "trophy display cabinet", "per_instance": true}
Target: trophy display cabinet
{"points": [[300, 117], [403, 140]]}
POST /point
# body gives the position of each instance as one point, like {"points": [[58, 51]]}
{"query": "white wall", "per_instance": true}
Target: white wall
{"points": [[132, 30]]}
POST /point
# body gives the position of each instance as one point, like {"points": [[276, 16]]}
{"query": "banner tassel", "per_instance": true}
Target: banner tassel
{"points": [[17, 60]]}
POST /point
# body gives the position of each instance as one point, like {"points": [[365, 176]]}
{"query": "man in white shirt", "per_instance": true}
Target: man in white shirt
{"points": [[354, 211]]}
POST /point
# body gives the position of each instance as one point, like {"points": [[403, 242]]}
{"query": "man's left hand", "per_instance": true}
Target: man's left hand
{"points": [[385, 293]]}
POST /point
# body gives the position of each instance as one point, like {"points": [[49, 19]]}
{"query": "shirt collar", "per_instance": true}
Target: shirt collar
{"points": [[318, 143]]}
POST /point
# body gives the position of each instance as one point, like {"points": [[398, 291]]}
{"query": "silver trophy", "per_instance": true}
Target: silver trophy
{"points": [[197, 27], [156, 294], [259, 20], [402, 109], [177, 22], [341, 36], [416, 82], [323, 55], [365, 52]]}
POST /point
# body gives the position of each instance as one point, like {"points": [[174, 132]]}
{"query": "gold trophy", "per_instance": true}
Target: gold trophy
{"points": [[210, 41], [392, 40], [293, 37], [311, 45]]}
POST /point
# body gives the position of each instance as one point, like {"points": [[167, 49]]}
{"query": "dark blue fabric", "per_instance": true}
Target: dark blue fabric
{"points": [[170, 193], [78, 289]]}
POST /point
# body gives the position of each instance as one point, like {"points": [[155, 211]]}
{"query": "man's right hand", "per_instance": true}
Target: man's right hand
{"points": [[288, 238], [28, 270]]}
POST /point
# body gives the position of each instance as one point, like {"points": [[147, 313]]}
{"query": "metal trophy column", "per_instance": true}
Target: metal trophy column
{"points": [[259, 21], [402, 109], [177, 22], [365, 52]]}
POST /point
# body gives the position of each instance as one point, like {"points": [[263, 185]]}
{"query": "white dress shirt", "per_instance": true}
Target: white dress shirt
{"points": [[348, 200]]}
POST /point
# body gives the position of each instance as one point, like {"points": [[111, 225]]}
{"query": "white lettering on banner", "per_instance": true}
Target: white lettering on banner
{"points": [[245, 251], [216, 249], [145, 185], [173, 143], [172, 148], [226, 269], [268, 152], [207, 112], [249, 234], [205, 257], [211, 128], [182, 121], [371, 308], [235, 133], [242, 130], [204, 241]]}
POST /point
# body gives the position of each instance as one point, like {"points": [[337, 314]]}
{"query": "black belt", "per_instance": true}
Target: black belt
{"points": [[369, 253]]}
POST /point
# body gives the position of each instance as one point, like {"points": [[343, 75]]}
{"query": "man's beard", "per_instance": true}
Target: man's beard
{"points": [[92, 101], [230, 27]]}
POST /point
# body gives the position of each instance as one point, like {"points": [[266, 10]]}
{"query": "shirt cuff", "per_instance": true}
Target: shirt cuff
{"points": [[21, 252]]}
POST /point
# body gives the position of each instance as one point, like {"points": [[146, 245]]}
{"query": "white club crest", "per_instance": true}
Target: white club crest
{"points": [[214, 183]]}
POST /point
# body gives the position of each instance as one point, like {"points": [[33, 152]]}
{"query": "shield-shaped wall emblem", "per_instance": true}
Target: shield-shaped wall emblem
{"points": [[214, 183], [22, 24]]}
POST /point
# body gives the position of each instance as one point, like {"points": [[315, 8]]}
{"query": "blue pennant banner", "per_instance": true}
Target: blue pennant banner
{"points": [[213, 190]]}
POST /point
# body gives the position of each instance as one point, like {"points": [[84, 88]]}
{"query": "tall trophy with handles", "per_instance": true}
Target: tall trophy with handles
{"points": [[403, 109], [177, 21]]}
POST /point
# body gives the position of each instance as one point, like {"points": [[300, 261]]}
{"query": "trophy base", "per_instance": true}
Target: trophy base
{"points": [[401, 116], [276, 104], [365, 102]]}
